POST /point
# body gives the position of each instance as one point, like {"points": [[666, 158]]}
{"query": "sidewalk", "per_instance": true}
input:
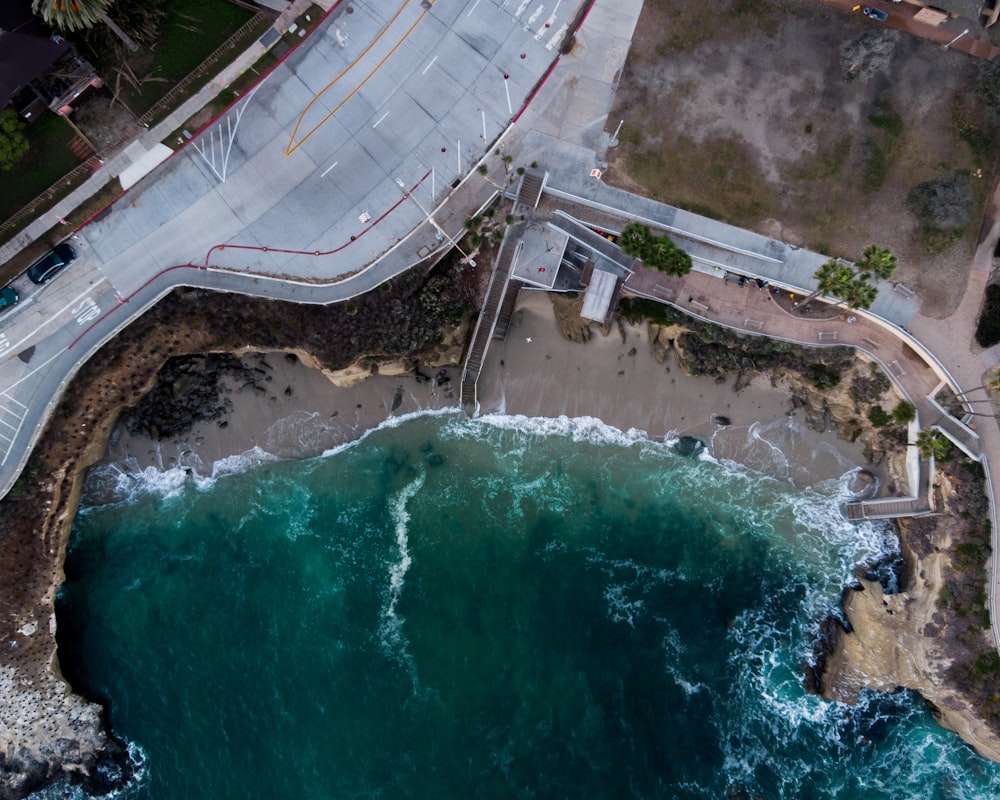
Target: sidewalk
{"points": [[958, 33], [129, 153]]}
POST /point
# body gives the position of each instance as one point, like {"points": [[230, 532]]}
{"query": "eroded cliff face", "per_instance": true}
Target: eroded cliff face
{"points": [[933, 636]]}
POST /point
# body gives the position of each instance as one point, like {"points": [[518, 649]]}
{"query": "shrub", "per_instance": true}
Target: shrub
{"points": [[988, 87], [942, 204], [878, 416], [823, 376], [904, 413], [988, 328]]}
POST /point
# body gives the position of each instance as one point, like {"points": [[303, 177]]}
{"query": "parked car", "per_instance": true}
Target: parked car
{"points": [[8, 298], [875, 13], [58, 258]]}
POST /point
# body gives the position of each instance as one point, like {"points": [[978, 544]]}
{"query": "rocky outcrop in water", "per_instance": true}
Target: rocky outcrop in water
{"points": [[933, 635]]}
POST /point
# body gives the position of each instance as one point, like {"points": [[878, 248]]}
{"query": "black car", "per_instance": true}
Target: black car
{"points": [[58, 258], [8, 298]]}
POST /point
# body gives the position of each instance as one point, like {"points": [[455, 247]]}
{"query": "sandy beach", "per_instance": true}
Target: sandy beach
{"points": [[536, 372]]}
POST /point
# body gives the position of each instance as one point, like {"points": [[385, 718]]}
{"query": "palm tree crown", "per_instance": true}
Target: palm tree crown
{"points": [[75, 15], [70, 15], [878, 261]]}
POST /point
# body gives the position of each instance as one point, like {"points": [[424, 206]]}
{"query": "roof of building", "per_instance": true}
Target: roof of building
{"points": [[24, 58], [597, 300]]}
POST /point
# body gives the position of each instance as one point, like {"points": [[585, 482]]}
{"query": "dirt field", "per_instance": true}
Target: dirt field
{"points": [[804, 123]]}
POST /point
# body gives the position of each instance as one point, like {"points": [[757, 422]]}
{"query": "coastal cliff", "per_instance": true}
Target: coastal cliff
{"points": [[933, 635], [49, 734]]}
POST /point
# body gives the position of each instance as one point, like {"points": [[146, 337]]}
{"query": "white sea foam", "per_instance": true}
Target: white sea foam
{"points": [[577, 429], [392, 422], [391, 630]]}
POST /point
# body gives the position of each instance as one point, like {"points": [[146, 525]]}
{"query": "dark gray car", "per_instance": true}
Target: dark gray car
{"points": [[58, 258]]}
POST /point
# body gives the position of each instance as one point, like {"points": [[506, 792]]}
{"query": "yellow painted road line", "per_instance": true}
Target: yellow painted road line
{"points": [[292, 144]]}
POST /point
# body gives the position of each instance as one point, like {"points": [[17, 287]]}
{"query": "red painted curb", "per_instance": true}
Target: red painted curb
{"points": [[214, 119]]}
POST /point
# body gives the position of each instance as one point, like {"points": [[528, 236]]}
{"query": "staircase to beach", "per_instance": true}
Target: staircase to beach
{"points": [[486, 325]]}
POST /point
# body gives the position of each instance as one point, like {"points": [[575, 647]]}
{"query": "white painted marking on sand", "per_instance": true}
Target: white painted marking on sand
{"points": [[323, 175], [429, 65], [379, 120]]}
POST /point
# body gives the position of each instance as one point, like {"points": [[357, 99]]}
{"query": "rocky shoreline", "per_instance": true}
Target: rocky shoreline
{"points": [[54, 734], [930, 633], [49, 734]]}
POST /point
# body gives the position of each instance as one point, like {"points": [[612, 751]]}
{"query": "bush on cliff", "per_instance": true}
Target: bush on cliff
{"points": [[988, 329]]}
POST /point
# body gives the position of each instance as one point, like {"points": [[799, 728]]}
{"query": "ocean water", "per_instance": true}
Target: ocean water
{"points": [[492, 608]]}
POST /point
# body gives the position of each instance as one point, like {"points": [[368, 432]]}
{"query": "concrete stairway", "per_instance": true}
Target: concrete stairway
{"points": [[486, 324]]}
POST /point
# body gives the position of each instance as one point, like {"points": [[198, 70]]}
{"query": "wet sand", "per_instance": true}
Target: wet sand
{"points": [[300, 413]]}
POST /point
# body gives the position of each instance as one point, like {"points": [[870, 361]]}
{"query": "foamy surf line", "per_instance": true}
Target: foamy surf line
{"points": [[125, 483]]}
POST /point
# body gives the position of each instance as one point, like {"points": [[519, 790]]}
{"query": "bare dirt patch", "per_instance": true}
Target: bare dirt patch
{"points": [[804, 123]]}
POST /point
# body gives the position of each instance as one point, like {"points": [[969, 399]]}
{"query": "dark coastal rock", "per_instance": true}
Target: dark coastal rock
{"points": [[889, 572], [831, 629], [689, 446], [190, 390], [725, 422], [65, 763]]}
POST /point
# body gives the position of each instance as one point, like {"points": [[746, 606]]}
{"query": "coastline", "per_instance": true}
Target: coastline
{"points": [[616, 377], [301, 411]]}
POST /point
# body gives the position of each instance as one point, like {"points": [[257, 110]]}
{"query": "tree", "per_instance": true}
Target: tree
{"points": [[13, 143], [656, 252], [877, 261], [904, 413], [858, 293], [635, 240], [75, 15], [933, 444], [831, 276], [841, 281]]}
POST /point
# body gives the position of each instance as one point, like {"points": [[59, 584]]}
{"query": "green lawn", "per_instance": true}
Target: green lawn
{"points": [[191, 31], [48, 160]]}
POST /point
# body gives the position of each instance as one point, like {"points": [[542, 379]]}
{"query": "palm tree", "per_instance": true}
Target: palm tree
{"points": [[877, 261], [635, 240], [932, 444], [75, 15], [833, 277], [858, 293]]}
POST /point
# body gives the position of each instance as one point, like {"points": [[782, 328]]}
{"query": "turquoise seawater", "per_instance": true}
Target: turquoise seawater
{"points": [[487, 609]]}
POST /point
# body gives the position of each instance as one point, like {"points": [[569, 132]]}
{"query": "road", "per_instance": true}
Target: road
{"points": [[327, 168], [317, 185]]}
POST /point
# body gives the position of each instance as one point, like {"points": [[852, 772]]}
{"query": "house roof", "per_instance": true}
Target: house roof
{"points": [[16, 17], [24, 58]]}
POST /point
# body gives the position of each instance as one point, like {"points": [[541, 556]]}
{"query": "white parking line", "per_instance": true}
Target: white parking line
{"points": [[521, 8], [431, 64], [323, 175], [13, 400], [472, 9], [71, 304], [379, 120], [19, 381], [557, 37]]}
